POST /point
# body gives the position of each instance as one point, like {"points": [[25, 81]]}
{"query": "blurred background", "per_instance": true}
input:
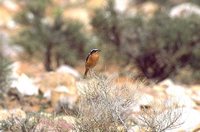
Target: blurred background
{"points": [[158, 38], [153, 40]]}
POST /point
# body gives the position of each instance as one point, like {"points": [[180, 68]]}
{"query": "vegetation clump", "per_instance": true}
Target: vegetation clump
{"points": [[160, 46], [4, 75]]}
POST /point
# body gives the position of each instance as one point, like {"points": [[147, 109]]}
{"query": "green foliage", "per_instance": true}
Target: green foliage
{"points": [[76, 42], [107, 24], [195, 58], [4, 74], [49, 36], [195, 2], [167, 45], [32, 12], [159, 45]]}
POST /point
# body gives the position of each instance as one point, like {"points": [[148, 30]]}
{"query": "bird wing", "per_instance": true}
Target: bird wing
{"points": [[88, 57]]}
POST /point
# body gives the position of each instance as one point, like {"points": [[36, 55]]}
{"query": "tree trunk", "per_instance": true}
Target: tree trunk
{"points": [[117, 40], [58, 60], [47, 61]]}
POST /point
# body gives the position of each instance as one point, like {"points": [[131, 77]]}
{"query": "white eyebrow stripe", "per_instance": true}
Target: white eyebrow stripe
{"points": [[94, 50]]}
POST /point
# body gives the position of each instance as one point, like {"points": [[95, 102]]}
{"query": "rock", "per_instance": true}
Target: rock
{"points": [[121, 5], [144, 101], [25, 85], [69, 70], [31, 69], [136, 129], [68, 119], [9, 50], [48, 124], [11, 5], [195, 93], [47, 94], [184, 101], [61, 97], [14, 69], [183, 119], [158, 88], [166, 83], [196, 98], [149, 8], [184, 9], [178, 93], [190, 119], [60, 88], [175, 90], [51, 80], [195, 88], [14, 113]]}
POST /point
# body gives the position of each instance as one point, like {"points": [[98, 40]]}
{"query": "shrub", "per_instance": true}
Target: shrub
{"points": [[160, 117], [36, 122], [4, 75], [159, 45], [107, 26], [105, 23], [51, 37], [103, 105], [165, 45]]}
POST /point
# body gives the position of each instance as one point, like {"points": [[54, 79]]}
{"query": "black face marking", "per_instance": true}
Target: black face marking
{"points": [[91, 52], [94, 50]]}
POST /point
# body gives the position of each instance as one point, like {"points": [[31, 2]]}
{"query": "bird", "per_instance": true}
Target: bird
{"points": [[91, 60]]}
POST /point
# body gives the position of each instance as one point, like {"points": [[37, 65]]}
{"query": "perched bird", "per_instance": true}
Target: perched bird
{"points": [[91, 60]]}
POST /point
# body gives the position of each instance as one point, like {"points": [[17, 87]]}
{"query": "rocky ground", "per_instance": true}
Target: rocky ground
{"points": [[34, 90]]}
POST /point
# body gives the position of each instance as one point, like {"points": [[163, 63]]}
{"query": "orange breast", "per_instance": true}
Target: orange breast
{"points": [[92, 60]]}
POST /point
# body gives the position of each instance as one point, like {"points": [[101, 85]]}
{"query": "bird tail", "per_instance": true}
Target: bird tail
{"points": [[86, 71]]}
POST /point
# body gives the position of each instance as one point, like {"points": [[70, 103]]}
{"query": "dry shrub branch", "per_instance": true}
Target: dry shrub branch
{"points": [[160, 117], [103, 104]]}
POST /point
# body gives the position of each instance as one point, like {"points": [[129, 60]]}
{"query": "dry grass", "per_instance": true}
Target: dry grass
{"points": [[103, 105], [160, 117], [106, 106]]}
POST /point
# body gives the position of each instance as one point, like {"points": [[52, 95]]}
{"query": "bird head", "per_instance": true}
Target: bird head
{"points": [[95, 51]]}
